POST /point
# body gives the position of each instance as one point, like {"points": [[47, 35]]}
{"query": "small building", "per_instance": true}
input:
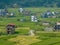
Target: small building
{"points": [[10, 29], [58, 23], [49, 14], [2, 12], [11, 14], [45, 23], [44, 15], [57, 26], [53, 13], [26, 12], [48, 29], [21, 10], [54, 17], [34, 18]]}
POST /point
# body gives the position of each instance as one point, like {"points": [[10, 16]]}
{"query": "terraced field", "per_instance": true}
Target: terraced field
{"points": [[21, 36]]}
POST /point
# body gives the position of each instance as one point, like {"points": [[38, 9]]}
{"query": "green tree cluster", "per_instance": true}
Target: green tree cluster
{"points": [[30, 3]]}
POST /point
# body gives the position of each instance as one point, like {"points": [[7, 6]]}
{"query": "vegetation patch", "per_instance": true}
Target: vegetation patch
{"points": [[24, 40]]}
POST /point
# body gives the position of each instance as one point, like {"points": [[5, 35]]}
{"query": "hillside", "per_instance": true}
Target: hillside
{"points": [[29, 3], [21, 37]]}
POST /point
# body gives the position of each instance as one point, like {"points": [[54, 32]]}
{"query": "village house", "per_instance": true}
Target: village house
{"points": [[57, 26], [49, 14], [48, 29], [45, 23], [10, 14], [21, 10], [10, 28], [2, 12], [34, 18]]}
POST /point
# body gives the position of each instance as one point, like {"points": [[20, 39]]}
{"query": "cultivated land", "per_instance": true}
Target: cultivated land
{"points": [[20, 37]]}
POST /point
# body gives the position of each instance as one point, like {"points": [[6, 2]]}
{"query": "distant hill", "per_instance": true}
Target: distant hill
{"points": [[29, 3]]}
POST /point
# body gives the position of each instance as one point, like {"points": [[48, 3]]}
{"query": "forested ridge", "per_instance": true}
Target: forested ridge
{"points": [[29, 3]]}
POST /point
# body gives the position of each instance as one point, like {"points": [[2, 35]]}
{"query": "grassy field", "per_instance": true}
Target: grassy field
{"points": [[21, 36]]}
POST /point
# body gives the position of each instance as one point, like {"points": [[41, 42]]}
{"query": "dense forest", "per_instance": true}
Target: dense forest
{"points": [[29, 3]]}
